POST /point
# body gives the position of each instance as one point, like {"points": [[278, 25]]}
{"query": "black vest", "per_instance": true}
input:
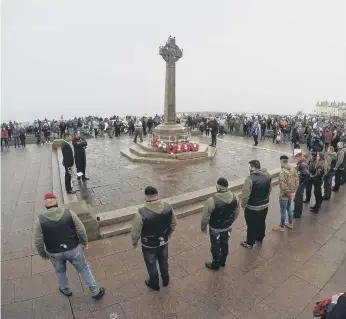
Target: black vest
{"points": [[223, 214], [260, 190], [156, 227], [59, 236]]}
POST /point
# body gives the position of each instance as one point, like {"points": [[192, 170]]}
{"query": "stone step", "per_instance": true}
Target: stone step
{"points": [[184, 205], [126, 227], [143, 159], [139, 151], [122, 224]]}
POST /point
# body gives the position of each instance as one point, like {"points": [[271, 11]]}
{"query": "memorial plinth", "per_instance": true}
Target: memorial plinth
{"points": [[169, 132]]}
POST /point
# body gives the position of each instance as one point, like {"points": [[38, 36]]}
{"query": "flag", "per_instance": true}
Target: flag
{"points": [[62, 117]]}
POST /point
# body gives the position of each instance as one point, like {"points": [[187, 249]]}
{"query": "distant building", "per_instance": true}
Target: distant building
{"points": [[331, 108]]}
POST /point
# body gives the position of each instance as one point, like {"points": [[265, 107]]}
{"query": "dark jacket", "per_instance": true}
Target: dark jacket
{"points": [[220, 211], [67, 153], [256, 190], [79, 146], [303, 172]]}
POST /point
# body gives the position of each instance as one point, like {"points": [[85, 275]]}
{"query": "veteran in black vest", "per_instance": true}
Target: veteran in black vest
{"points": [[153, 224], [60, 237], [255, 200], [219, 213]]}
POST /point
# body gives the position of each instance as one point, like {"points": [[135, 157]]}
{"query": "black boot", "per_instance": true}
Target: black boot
{"points": [[315, 209], [212, 265], [307, 200], [151, 286]]}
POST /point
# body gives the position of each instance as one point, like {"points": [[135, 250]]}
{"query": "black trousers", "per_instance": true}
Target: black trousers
{"points": [[327, 185], [308, 189], [256, 225], [22, 140], [80, 165], [255, 138], [298, 201], [326, 145], [68, 178], [153, 255], [213, 138], [219, 247], [207, 132], [318, 192], [339, 174]]}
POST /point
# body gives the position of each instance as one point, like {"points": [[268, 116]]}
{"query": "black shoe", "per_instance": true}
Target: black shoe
{"points": [[307, 200], [335, 189], [296, 216], [151, 286], [67, 294], [312, 207], [71, 192], [212, 266], [325, 198], [314, 210], [165, 282], [85, 178], [259, 242], [245, 244], [100, 294], [222, 264]]}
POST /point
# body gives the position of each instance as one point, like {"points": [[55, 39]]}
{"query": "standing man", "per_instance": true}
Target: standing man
{"points": [[256, 132], [138, 131], [219, 212], [304, 177], [214, 129], [329, 172], [312, 170], [288, 181], [255, 199], [154, 224], [327, 138], [79, 146], [67, 162], [339, 167], [60, 236]]}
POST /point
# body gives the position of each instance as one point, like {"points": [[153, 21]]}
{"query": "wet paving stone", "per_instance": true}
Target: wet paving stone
{"points": [[279, 280]]}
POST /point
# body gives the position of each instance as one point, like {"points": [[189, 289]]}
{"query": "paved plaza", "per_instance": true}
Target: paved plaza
{"points": [[116, 183], [280, 280]]}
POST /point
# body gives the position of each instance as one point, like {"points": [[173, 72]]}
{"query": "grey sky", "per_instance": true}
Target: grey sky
{"points": [[81, 57]]}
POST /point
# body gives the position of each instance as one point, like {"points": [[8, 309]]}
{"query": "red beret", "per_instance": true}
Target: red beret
{"points": [[49, 196]]}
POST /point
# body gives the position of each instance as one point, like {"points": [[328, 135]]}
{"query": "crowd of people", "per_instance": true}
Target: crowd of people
{"points": [[60, 235]]}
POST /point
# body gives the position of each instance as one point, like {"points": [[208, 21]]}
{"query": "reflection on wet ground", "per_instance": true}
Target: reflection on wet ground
{"points": [[115, 182]]}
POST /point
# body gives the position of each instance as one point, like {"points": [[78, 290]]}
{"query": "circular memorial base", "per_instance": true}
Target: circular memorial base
{"points": [[145, 153]]}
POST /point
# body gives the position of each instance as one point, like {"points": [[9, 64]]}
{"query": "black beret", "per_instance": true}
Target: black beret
{"points": [[150, 191], [222, 182], [283, 157]]}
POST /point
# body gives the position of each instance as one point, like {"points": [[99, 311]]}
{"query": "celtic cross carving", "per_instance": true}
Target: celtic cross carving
{"points": [[170, 52]]}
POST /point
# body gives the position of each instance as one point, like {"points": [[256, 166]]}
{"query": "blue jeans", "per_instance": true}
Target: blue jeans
{"points": [[77, 259], [285, 210]]}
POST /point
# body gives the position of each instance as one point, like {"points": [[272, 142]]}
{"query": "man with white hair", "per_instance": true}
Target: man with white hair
{"points": [[339, 167], [60, 236]]}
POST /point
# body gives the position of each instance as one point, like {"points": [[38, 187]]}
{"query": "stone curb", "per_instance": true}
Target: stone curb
{"points": [[126, 214], [126, 226]]}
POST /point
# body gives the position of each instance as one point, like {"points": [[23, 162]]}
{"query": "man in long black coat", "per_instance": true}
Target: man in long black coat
{"points": [[79, 145], [68, 162]]}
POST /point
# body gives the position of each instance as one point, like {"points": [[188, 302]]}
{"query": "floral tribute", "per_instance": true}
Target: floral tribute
{"points": [[176, 146]]}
